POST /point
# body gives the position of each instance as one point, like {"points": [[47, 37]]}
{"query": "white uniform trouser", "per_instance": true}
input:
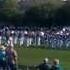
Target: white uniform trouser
{"points": [[21, 41], [11, 42], [29, 41], [61, 43], [15, 40], [67, 44], [39, 41]]}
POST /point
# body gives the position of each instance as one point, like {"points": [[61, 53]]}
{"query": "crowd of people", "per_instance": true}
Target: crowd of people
{"points": [[55, 38], [11, 37]]}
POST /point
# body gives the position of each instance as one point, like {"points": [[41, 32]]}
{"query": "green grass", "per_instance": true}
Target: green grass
{"points": [[33, 56]]}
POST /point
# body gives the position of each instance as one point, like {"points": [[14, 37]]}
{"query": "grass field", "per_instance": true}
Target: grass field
{"points": [[33, 56]]}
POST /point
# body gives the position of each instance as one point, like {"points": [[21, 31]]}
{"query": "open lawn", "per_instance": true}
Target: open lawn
{"points": [[33, 56]]}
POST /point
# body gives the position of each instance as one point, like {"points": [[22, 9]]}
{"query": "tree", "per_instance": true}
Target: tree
{"points": [[10, 7], [44, 13], [62, 16], [1, 4]]}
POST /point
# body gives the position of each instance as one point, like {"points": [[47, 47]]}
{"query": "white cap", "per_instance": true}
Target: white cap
{"points": [[57, 33], [46, 60], [42, 33], [12, 32], [64, 29], [25, 32]]}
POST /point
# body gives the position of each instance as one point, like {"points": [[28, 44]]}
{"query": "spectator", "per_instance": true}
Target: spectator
{"points": [[56, 65], [11, 58], [2, 58], [44, 65]]}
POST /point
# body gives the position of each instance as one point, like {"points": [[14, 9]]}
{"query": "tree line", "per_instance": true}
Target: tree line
{"points": [[49, 13]]}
